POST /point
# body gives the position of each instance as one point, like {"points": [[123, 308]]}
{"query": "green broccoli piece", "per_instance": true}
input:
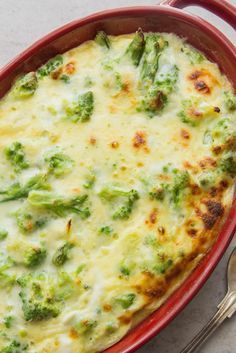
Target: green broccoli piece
{"points": [[59, 205], [38, 297], [124, 211], [194, 111], [107, 230], [27, 222], [3, 234], [153, 47], [157, 96], [228, 165], [207, 179], [157, 193], [16, 156], [26, 86], [82, 109], [129, 197], [90, 180], [229, 101], [136, 48], [62, 254], [6, 280], [162, 267], [34, 256], [180, 183], [85, 326], [102, 39], [50, 66], [153, 102], [65, 286], [59, 164], [8, 321], [65, 78], [14, 347], [17, 191], [126, 300], [195, 56]]}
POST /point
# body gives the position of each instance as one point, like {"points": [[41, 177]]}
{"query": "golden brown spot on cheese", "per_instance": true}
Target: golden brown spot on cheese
{"points": [[203, 81], [185, 134], [70, 68], [153, 216], [161, 230], [125, 319], [215, 210], [92, 140], [56, 73], [139, 139], [107, 307], [201, 86], [115, 144], [73, 333], [217, 109], [207, 162], [68, 226], [191, 228]]}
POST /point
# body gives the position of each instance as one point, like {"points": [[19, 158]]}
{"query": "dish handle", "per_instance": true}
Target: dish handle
{"points": [[221, 8]]}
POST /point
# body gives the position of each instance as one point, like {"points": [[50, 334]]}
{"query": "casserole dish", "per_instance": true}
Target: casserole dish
{"points": [[123, 21]]}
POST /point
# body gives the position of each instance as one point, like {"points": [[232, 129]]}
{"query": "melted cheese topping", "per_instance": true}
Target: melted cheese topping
{"points": [[158, 179]]}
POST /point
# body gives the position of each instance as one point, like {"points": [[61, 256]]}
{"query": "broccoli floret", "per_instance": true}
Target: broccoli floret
{"points": [[16, 156], [85, 326], [62, 254], [3, 234], [65, 78], [17, 191], [153, 47], [59, 205], [6, 280], [90, 180], [59, 164], [181, 182], [129, 197], [82, 109], [50, 66], [26, 85], [38, 297], [194, 111], [157, 193], [157, 95], [126, 300], [14, 347], [107, 230], [102, 39], [136, 48], [228, 165], [27, 222], [8, 321], [34, 256], [229, 101], [195, 56], [162, 267]]}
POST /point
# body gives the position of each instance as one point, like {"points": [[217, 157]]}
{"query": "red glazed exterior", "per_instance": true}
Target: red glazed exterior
{"points": [[200, 34]]}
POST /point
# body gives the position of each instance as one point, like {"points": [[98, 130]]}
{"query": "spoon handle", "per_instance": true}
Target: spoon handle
{"points": [[226, 309]]}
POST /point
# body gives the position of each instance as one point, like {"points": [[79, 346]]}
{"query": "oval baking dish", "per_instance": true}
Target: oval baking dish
{"points": [[199, 34]]}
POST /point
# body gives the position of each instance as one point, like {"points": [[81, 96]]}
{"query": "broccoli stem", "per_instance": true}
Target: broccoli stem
{"points": [[136, 48], [102, 39]]}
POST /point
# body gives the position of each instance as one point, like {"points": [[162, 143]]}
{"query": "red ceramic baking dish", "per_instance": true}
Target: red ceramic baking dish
{"points": [[200, 34]]}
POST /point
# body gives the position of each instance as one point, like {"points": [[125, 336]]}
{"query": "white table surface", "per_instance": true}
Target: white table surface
{"points": [[24, 21]]}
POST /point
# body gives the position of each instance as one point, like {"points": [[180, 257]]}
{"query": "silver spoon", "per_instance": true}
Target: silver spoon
{"points": [[225, 309]]}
